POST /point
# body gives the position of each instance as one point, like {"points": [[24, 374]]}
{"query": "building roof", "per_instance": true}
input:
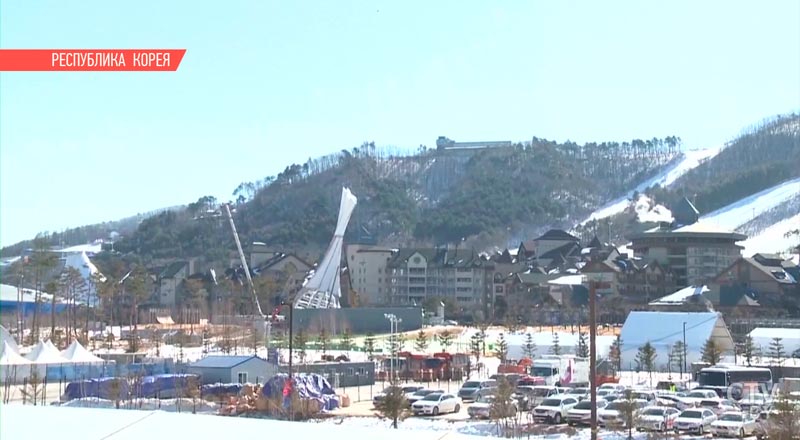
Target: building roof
{"points": [[441, 257], [693, 231], [222, 361], [685, 213], [681, 296], [557, 235], [172, 269], [666, 328]]}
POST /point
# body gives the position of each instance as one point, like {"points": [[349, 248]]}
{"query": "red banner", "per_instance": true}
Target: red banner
{"points": [[90, 60]]}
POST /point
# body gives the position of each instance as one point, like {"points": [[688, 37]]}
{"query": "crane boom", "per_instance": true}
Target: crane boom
{"points": [[244, 261]]}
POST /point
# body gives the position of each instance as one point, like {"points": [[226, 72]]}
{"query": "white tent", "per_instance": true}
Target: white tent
{"points": [[46, 353], [76, 353], [323, 290], [5, 337], [13, 367]]}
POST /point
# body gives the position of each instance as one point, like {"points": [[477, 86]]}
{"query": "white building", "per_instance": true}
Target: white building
{"points": [[663, 329]]}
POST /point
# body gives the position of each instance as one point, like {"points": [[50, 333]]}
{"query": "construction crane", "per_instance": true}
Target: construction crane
{"points": [[246, 268]]}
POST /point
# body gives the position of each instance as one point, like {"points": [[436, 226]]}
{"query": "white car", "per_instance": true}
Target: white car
{"points": [[579, 392], [581, 414], [435, 404], [734, 424], [657, 418], [719, 406], [695, 420], [554, 409], [693, 398], [754, 402], [539, 393], [481, 409], [613, 387], [612, 415]]}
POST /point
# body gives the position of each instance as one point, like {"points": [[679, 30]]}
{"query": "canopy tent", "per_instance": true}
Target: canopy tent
{"points": [[78, 354], [13, 367], [5, 337], [45, 353]]}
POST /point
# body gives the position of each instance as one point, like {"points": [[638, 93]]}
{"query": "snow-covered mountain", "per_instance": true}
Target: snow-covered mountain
{"points": [[680, 166]]}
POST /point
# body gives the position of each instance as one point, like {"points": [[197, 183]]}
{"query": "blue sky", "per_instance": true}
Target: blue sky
{"points": [[266, 83]]}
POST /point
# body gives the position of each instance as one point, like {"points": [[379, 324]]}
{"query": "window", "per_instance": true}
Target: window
{"points": [[242, 376], [351, 371]]}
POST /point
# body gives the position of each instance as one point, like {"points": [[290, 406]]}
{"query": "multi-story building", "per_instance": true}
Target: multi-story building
{"points": [[693, 250], [366, 265], [461, 275]]}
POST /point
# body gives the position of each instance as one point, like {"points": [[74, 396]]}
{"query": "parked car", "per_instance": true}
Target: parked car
{"points": [[648, 396], [481, 409], [719, 406], [581, 414], [613, 387], [419, 394], [614, 415], [437, 403], [473, 389], [657, 418], [734, 424], [579, 392], [554, 409], [754, 402], [541, 392], [697, 421], [694, 397], [407, 390], [512, 378]]}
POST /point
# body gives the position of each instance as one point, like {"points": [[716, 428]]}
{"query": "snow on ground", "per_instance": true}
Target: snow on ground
{"points": [[773, 239], [736, 214], [691, 159], [169, 405]]}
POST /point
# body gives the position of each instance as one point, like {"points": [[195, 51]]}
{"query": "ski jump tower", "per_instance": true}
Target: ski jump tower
{"points": [[323, 290]]}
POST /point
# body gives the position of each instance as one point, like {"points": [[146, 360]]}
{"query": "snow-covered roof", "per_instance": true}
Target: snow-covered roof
{"points": [[680, 296], [8, 293], [8, 356], [568, 280], [663, 329], [703, 227], [5, 337], [46, 353], [91, 248], [77, 353]]}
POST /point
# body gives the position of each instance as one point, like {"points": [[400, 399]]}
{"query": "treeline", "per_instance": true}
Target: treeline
{"points": [[760, 158]]}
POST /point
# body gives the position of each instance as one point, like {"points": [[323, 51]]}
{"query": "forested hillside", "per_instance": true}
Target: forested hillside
{"points": [[763, 156]]}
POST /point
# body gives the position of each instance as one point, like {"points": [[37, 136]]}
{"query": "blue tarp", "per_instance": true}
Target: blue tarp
{"points": [[96, 388], [308, 386], [165, 385], [221, 389]]}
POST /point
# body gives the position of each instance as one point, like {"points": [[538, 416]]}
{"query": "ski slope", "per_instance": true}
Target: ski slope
{"points": [[690, 160], [736, 214], [773, 239]]}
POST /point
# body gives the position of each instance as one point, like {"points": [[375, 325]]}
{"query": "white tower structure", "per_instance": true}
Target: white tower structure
{"points": [[323, 290]]}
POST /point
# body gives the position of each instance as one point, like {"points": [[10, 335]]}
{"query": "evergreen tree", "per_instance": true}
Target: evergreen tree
{"points": [[529, 347], [777, 353], [646, 359], [421, 342], [394, 405], [346, 342], [615, 354], [748, 350], [445, 340], [501, 351], [711, 353], [483, 326], [676, 355], [323, 341], [555, 348], [582, 350], [475, 346], [369, 345], [300, 341]]}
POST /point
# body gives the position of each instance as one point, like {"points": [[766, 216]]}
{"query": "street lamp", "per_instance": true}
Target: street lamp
{"points": [[685, 367], [393, 321]]}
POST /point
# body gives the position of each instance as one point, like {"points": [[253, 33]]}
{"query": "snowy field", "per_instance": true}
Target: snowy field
{"points": [[736, 214], [773, 239]]}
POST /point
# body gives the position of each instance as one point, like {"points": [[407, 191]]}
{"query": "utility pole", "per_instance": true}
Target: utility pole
{"points": [[685, 366], [593, 356]]}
